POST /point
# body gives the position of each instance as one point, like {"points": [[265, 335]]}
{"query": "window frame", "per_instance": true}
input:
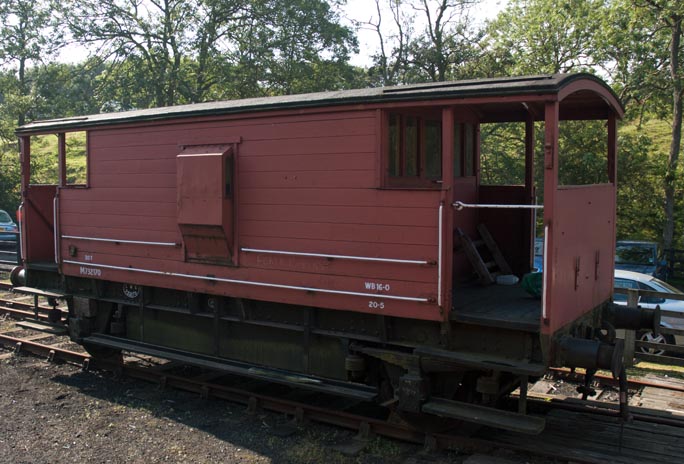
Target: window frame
{"points": [[63, 165], [421, 179], [462, 168]]}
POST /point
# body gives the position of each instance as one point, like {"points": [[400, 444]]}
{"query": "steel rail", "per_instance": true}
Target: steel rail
{"points": [[21, 313], [548, 402], [301, 411], [609, 380], [19, 304], [40, 349]]}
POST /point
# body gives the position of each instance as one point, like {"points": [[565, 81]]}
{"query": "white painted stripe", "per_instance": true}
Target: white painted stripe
{"points": [[459, 205], [247, 282], [547, 273], [113, 240], [320, 255], [55, 229], [21, 233], [439, 256]]}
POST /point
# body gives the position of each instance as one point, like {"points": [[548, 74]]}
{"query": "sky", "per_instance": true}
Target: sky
{"points": [[355, 10], [363, 10]]}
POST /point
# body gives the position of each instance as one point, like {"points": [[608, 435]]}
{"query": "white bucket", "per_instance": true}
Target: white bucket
{"points": [[508, 279]]}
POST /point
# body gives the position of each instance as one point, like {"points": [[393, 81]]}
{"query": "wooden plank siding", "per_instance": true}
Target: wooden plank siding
{"points": [[306, 184]]}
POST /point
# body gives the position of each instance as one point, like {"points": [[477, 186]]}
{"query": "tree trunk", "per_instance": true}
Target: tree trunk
{"points": [[675, 145], [21, 118]]}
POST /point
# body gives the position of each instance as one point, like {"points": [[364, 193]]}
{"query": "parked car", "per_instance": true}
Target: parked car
{"points": [[538, 254], [8, 228], [637, 256], [637, 280]]}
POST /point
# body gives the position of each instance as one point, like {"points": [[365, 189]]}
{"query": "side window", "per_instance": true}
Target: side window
{"points": [[458, 150], [464, 149], [228, 174], [76, 158], [433, 149], [650, 299], [623, 283], [469, 149], [413, 149], [64, 152], [44, 159]]}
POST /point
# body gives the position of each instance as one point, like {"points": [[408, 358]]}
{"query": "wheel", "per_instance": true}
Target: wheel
{"points": [[653, 338]]}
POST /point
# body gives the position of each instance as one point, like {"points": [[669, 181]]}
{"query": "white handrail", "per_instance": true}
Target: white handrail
{"points": [[86, 265], [329, 256], [55, 226], [116, 240], [439, 254], [459, 205]]}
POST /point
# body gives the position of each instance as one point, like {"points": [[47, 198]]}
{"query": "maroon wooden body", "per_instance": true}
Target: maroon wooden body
{"points": [[309, 218]]}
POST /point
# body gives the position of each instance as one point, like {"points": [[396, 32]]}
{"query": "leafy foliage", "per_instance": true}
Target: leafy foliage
{"points": [[502, 154], [147, 53]]}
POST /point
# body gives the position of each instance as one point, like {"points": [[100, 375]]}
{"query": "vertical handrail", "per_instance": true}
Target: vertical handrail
{"points": [[439, 255], [55, 228], [22, 228]]}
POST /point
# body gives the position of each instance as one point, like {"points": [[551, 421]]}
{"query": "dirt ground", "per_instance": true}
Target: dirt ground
{"points": [[54, 413], [58, 413]]}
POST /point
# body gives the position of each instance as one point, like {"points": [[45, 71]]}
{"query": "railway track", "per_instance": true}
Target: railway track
{"points": [[563, 415]]}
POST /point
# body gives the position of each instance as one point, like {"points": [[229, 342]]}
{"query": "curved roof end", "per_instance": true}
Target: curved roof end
{"points": [[590, 92]]}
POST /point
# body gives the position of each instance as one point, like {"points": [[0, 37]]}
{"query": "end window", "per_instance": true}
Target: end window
{"points": [[59, 159], [76, 158], [414, 150], [464, 149], [228, 174]]}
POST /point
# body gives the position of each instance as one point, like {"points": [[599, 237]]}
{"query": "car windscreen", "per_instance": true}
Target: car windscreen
{"points": [[665, 287], [4, 217], [635, 254]]}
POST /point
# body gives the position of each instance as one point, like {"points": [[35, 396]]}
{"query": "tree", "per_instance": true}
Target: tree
{"points": [[309, 48], [193, 50], [28, 35], [648, 53], [548, 36], [155, 32], [64, 90], [391, 59], [446, 48], [426, 41]]}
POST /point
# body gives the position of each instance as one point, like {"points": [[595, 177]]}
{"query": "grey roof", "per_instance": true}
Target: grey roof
{"points": [[528, 85]]}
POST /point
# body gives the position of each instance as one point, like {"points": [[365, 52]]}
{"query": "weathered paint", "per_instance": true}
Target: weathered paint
{"points": [[309, 179]]}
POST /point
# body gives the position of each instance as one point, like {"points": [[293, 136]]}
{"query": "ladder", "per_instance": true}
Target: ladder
{"points": [[495, 265]]}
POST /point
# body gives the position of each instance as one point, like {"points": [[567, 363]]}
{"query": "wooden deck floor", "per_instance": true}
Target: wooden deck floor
{"points": [[591, 438], [505, 306]]}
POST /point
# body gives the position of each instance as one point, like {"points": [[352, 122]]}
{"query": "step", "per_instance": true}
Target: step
{"points": [[498, 418], [483, 361], [292, 379], [39, 292], [47, 327]]}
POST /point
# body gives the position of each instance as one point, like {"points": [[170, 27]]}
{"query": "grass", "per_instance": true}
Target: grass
{"points": [[658, 130], [44, 158], [642, 368]]}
